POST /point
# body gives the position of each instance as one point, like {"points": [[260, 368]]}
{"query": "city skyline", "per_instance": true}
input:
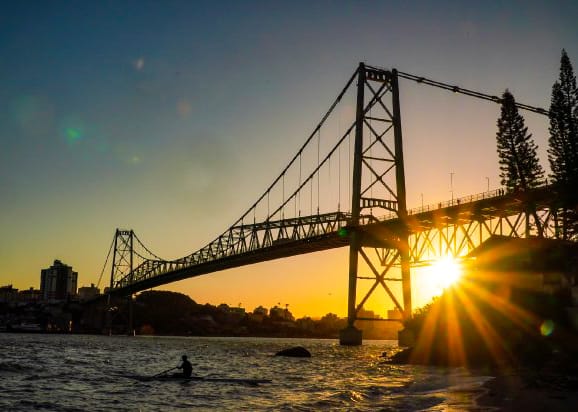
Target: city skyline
{"points": [[171, 119]]}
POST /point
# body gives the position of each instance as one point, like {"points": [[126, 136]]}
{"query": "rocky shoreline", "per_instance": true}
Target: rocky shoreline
{"points": [[529, 384], [551, 386], [519, 391]]}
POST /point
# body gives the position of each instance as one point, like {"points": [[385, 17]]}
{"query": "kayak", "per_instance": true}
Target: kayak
{"points": [[177, 378]]}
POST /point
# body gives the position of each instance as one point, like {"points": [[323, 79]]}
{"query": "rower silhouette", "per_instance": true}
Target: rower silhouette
{"points": [[186, 367]]}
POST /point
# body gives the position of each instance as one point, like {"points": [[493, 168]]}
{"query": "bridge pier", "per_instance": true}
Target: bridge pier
{"points": [[350, 336], [130, 329]]}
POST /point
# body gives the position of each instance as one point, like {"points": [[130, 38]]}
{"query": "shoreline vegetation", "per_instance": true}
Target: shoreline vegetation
{"points": [[165, 313], [172, 313]]}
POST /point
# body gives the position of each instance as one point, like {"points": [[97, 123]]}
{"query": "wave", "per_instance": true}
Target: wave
{"points": [[12, 367]]}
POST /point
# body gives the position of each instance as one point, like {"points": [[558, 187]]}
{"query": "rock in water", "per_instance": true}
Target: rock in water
{"points": [[295, 352], [400, 358]]}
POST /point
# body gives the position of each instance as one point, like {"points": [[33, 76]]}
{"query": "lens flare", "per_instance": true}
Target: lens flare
{"points": [[135, 159], [547, 327], [445, 272], [138, 64], [73, 134]]}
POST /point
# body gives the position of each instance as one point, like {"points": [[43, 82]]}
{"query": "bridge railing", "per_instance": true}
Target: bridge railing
{"points": [[457, 201], [448, 203]]}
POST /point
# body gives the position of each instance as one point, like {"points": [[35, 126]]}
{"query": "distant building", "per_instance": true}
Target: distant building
{"points": [[88, 292], [279, 314], [58, 282], [367, 314], [259, 314], [261, 311], [375, 327], [30, 295], [8, 294], [238, 310], [394, 314]]}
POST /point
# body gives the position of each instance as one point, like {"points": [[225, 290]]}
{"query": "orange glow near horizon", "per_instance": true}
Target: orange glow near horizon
{"points": [[312, 285]]}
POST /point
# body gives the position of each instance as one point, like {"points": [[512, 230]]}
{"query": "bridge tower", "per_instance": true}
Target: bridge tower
{"points": [[122, 265], [378, 183]]}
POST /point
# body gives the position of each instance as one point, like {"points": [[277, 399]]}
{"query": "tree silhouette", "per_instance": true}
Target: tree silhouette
{"points": [[519, 165], [520, 168], [563, 146]]}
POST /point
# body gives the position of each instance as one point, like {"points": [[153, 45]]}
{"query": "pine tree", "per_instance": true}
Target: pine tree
{"points": [[520, 168], [563, 147], [563, 141]]}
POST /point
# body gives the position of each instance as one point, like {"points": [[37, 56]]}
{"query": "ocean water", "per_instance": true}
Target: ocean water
{"points": [[96, 373]]}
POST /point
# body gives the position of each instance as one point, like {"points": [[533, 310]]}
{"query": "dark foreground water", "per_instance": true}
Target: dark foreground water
{"points": [[93, 373]]}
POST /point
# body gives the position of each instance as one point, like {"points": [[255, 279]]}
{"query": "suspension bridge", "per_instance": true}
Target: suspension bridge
{"points": [[345, 187]]}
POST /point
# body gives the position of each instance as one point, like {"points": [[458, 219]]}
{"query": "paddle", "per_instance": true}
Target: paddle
{"points": [[162, 373]]}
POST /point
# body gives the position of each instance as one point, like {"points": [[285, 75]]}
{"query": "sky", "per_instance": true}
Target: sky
{"points": [[170, 118]]}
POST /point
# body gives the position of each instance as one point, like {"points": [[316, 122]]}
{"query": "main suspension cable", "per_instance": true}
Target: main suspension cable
{"points": [[468, 92], [311, 136], [105, 262], [145, 248], [462, 90]]}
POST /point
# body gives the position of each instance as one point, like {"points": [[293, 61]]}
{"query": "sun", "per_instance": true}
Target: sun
{"points": [[445, 272]]}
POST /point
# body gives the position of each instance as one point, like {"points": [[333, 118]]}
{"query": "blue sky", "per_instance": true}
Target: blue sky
{"points": [[172, 117]]}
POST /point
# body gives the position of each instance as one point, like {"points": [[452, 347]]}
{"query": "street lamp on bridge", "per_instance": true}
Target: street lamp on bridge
{"points": [[452, 186]]}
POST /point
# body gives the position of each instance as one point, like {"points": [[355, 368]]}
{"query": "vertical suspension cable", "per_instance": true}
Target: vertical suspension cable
{"points": [[311, 200], [329, 183], [339, 176], [339, 161], [349, 177], [299, 193], [318, 172], [105, 262], [283, 210]]}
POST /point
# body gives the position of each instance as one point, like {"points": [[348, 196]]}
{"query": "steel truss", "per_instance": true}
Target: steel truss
{"points": [[122, 258], [458, 238], [378, 182], [244, 244], [455, 229]]}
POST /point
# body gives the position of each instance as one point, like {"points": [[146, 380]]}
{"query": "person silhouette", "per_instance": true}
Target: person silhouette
{"points": [[186, 367]]}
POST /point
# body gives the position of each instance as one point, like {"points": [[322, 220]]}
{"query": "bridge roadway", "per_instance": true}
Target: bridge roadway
{"points": [[260, 242]]}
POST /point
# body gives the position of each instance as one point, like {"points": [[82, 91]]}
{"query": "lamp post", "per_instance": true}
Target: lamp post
{"points": [[421, 194], [452, 186], [488, 183]]}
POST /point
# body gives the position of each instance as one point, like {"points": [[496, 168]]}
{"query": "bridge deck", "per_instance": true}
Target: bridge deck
{"points": [[266, 241]]}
